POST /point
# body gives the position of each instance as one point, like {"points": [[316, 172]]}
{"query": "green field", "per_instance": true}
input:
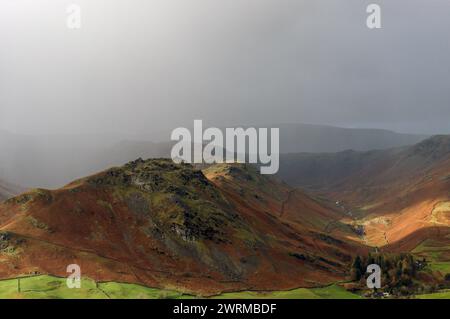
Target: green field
{"points": [[433, 250], [49, 287], [54, 287], [330, 292], [438, 295], [443, 267]]}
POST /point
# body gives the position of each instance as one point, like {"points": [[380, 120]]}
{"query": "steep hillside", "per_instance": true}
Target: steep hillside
{"points": [[245, 186], [168, 226], [399, 196]]}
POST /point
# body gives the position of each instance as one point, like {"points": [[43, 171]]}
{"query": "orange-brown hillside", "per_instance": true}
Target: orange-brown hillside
{"points": [[401, 197], [167, 225]]}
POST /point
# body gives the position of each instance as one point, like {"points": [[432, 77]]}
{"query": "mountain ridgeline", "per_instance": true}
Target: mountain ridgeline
{"points": [[7, 190], [53, 161]]}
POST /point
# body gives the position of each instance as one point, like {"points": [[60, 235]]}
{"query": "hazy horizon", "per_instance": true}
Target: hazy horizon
{"points": [[136, 70], [166, 133]]}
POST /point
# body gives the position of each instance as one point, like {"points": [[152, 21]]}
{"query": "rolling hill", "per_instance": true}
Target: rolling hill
{"points": [[172, 226]]}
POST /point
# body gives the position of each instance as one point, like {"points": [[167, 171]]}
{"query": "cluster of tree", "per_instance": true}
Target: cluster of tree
{"points": [[398, 271]]}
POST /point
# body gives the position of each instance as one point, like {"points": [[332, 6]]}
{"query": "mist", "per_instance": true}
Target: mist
{"points": [[138, 69]]}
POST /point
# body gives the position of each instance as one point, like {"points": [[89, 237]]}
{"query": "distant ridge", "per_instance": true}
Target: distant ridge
{"points": [[311, 138], [8, 190], [52, 161], [329, 169]]}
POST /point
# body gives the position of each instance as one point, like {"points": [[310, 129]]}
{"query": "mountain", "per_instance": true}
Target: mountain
{"points": [[295, 138], [314, 138], [52, 161], [400, 196], [166, 225]]}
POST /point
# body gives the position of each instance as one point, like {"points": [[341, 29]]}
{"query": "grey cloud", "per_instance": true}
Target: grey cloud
{"points": [[138, 67]]}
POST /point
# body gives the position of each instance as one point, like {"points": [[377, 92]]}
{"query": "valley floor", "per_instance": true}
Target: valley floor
{"points": [[43, 286], [49, 287]]}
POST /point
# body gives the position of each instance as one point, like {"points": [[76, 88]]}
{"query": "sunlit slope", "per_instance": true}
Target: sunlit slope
{"points": [[400, 197]]}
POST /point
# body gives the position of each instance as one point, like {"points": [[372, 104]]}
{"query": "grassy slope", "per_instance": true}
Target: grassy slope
{"points": [[49, 287], [443, 267], [437, 255], [54, 287], [438, 295], [330, 292]]}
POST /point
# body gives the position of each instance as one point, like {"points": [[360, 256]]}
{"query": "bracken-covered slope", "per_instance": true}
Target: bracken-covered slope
{"points": [[400, 196], [167, 225]]}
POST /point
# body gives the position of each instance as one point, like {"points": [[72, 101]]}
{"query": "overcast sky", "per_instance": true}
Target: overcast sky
{"points": [[138, 66]]}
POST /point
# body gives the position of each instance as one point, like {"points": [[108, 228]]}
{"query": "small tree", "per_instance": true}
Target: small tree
{"points": [[357, 269]]}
